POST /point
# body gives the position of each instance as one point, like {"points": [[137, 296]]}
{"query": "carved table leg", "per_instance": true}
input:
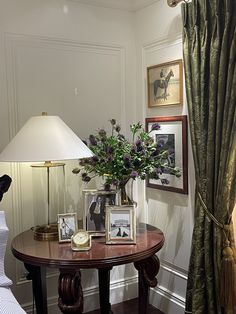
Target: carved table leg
{"points": [[104, 290], [38, 276], [70, 291], [147, 271]]}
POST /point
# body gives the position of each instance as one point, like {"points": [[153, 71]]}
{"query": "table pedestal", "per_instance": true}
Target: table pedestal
{"points": [[147, 271], [38, 255], [70, 291]]}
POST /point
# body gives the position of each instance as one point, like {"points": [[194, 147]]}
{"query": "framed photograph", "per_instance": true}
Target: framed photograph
{"points": [[95, 203], [67, 225], [173, 137], [120, 225], [165, 84]]}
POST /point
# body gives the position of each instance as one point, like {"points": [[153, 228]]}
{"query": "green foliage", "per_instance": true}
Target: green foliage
{"points": [[117, 159]]}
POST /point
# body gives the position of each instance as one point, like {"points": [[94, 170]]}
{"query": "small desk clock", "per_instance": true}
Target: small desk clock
{"points": [[81, 240]]}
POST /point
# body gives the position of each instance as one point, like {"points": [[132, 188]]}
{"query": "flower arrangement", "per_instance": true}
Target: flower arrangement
{"points": [[117, 159]]}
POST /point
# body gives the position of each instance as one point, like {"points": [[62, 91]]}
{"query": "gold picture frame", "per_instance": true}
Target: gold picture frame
{"points": [[165, 84], [120, 224]]}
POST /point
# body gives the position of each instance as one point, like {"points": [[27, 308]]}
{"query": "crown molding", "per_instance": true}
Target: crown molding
{"points": [[127, 5]]}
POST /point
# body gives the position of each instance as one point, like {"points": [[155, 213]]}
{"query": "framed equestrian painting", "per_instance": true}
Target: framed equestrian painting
{"points": [[171, 137], [165, 84]]}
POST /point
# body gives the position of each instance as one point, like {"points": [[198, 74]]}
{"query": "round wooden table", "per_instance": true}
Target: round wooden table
{"points": [[38, 255]]}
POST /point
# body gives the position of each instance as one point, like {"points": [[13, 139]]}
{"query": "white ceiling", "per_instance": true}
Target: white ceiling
{"points": [[129, 5]]}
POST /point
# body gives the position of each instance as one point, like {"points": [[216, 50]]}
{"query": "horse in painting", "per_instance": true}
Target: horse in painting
{"points": [[163, 84]]}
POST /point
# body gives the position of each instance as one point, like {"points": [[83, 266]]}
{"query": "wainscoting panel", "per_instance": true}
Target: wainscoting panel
{"points": [[84, 84]]}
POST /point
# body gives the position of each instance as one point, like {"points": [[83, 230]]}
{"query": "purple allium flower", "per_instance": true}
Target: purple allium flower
{"points": [[138, 143], [139, 148], [107, 186], [133, 149], [102, 133], [126, 157], [109, 149], [76, 170], [84, 161], [117, 128], [159, 170], [92, 140], [115, 182], [113, 121], [95, 159], [86, 179], [155, 153], [137, 163], [134, 174], [155, 126]]}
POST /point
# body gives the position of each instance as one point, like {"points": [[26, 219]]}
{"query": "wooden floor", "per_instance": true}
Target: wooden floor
{"points": [[128, 307]]}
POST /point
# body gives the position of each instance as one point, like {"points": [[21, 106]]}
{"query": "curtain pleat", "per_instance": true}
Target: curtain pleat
{"points": [[209, 53]]}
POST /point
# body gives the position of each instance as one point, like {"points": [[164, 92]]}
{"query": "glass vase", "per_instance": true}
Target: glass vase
{"points": [[125, 199]]}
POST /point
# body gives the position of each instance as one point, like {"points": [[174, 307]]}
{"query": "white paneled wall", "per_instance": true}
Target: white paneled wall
{"points": [[71, 60], [159, 39]]}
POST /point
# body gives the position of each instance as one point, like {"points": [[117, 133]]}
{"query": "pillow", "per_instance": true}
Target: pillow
{"points": [[4, 280], [8, 303]]}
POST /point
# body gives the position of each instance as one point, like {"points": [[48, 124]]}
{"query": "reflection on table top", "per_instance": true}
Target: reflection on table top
{"points": [[54, 254]]}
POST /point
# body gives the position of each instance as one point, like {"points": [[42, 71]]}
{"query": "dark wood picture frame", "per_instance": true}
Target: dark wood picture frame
{"points": [[174, 128], [165, 84]]}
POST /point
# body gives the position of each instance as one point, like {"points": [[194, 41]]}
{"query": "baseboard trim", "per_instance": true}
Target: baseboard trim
{"points": [[167, 301], [120, 290]]}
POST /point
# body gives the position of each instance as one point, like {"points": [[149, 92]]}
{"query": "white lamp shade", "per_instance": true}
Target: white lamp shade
{"points": [[45, 138]]}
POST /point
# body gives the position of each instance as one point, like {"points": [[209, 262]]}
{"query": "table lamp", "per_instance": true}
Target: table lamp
{"points": [[45, 139]]}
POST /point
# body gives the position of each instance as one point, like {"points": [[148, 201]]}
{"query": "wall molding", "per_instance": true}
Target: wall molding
{"points": [[167, 301], [12, 43], [120, 290], [128, 5], [173, 269]]}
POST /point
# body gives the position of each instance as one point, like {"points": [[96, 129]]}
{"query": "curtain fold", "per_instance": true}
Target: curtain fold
{"points": [[209, 49]]}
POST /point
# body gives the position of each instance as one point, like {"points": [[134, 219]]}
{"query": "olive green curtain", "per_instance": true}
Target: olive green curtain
{"points": [[209, 45]]}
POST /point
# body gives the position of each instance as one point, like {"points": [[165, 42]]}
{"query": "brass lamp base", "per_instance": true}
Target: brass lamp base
{"points": [[46, 232]]}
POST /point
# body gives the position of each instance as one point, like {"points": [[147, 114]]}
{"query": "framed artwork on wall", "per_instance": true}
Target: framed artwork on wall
{"points": [[95, 203], [120, 225], [165, 84], [172, 136]]}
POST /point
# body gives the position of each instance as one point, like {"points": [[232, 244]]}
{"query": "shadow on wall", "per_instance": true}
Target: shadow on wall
{"points": [[165, 213], [176, 25]]}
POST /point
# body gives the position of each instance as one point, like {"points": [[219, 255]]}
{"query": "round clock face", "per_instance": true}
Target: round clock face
{"points": [[81, 238]]}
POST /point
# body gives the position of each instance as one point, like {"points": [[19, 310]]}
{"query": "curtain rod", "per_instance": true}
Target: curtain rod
{"points": [[173, 3]]}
